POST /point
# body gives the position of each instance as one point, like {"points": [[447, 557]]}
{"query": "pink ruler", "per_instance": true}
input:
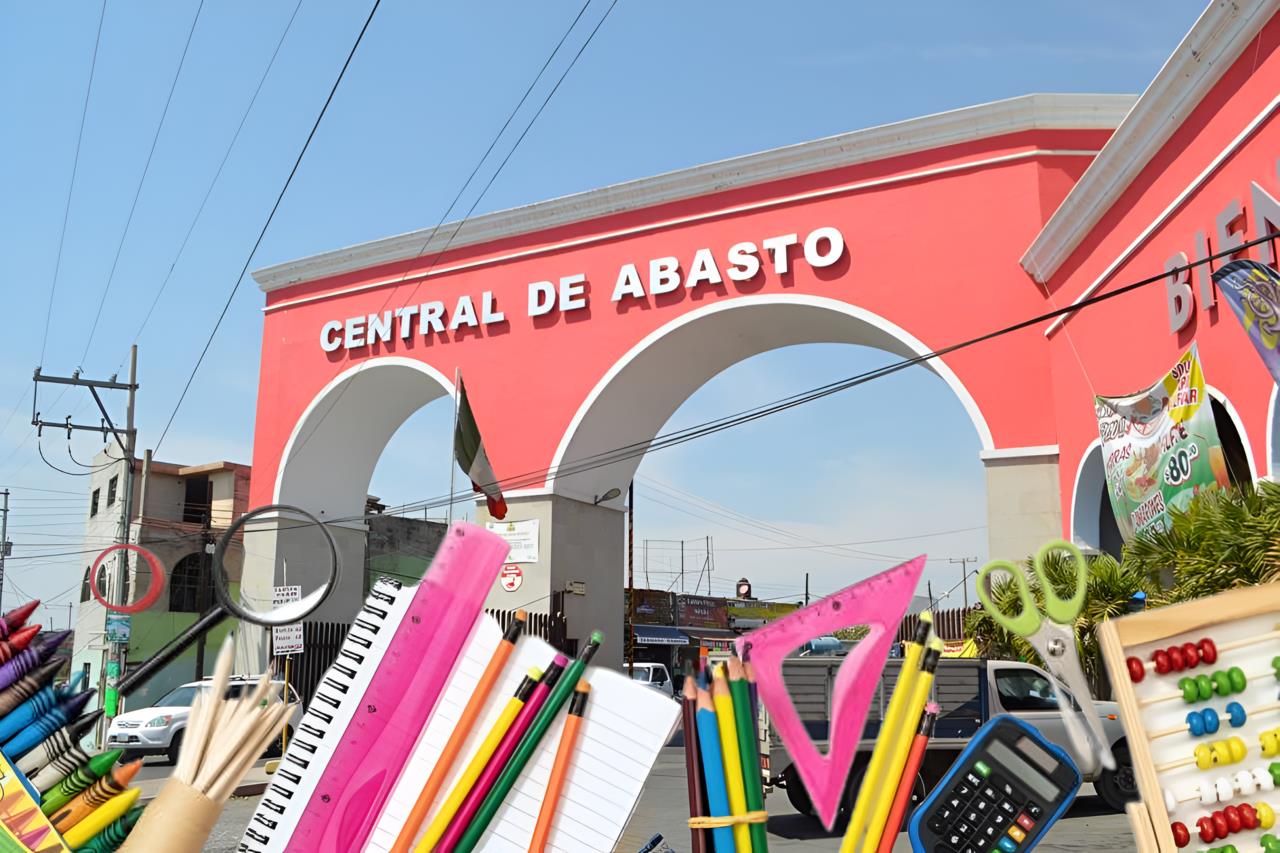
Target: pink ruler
{"points": [[879, 603], [359, 777]]}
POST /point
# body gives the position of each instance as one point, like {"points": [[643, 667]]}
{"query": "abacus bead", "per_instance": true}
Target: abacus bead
{"points": [[1208, 652], [1275, 664], [1224, 790], [1232, 814], [1208, 795], [1238, 715], [1161, 659], [1204, 757], [1274, 769], [1266, 817], [1210, 719], [1190, 654], [1190, 692], [1238, 680], [1222, 683], [1270, 740], [1221, 751], [1170, 800], [1205, 825], [1262, 776], [1195, 723], [1248, 817], [1180, 835], [1176, 659], [1244, 783], [1137, 671], [1220, 824], [1204, 687]]}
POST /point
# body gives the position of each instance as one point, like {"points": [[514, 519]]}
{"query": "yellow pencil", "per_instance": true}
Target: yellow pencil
{"points": [[475, 767], [873, 778], [723, 701], [902, 746], [97, 820]]}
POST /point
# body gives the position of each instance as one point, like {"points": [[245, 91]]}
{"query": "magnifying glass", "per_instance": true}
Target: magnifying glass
{"points": [[288, 531]]}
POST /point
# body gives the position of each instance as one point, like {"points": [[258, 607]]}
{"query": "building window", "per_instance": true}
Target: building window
{"points": [[111, 490], [93, 503], [84, 586], [190, 588], [198, 497], [85, 592]]}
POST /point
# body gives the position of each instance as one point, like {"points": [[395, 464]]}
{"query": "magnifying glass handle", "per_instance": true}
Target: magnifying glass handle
{"points": [[170, 650]]}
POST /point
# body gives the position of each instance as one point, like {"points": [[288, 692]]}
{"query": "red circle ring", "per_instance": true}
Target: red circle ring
{"points": [[153, 590]]}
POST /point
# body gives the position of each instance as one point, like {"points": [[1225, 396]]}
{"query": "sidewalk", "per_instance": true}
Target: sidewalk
{"points": [[255, 782]]}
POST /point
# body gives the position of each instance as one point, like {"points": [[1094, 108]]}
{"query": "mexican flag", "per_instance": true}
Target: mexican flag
{"points": [[468, 449]]}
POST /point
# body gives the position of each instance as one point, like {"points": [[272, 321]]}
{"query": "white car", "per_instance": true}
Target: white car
{"points": [[158, 730], [655, 675]]}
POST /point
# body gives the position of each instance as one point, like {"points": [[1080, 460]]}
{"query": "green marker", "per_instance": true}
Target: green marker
{"points": [[528, 745], [79, 779], [114, 834]]}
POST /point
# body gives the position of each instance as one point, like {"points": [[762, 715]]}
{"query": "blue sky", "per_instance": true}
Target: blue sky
{"points": [[663, 85]]}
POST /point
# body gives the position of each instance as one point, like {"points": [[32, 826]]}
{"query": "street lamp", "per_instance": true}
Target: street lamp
{"points": [[607, 496]]}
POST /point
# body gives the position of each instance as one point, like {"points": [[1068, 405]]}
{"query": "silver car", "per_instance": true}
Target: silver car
{"points": [[655, 676]]}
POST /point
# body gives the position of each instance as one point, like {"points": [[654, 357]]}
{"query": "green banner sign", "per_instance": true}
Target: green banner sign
{"points": [[1160, 447]]}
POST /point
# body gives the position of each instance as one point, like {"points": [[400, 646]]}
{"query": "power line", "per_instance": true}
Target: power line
{"points": [[142, 180], [267, 224]]}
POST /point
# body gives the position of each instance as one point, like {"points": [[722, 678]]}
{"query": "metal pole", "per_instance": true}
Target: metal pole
{"points": [[631, 578], [806, 589], [120, 650], [964, 575], [682, 565], [4, 540], [453, 439], [929, 586]]}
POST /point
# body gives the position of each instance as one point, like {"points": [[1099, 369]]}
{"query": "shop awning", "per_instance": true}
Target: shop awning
{"points": [[660, 635], [712, 638]]}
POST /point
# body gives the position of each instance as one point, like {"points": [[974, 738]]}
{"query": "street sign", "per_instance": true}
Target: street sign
{"points": [[522, 536], [286, 639], [577, 588], [511, 577], [119, 627]]}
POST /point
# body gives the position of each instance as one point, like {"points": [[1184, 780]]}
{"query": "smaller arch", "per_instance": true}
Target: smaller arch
{"points": [[84, 585], [1234, 438], [1093, 521], [190, 586], [1273, 440]]}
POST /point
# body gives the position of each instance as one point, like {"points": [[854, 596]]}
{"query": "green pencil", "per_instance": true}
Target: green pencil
{"points": [[528, 745], [750, 752]]}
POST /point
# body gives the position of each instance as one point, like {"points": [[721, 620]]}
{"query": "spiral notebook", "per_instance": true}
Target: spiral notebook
{"points": [[625, 726]]}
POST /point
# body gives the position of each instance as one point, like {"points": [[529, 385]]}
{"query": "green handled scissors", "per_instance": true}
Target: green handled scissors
{"points": [[1051, 632]]}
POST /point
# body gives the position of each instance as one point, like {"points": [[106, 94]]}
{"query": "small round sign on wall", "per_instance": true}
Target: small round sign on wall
{"points": [[511, 577]]}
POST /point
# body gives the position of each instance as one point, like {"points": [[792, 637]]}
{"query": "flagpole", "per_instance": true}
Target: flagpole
{"points": [[453, 445]]}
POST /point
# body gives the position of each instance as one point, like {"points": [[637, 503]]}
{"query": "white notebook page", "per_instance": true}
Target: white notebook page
{"points": [[623, 729]]}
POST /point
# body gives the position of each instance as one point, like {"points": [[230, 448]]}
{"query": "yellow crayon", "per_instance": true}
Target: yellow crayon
{"points": [[723, 700], [101, 817]]}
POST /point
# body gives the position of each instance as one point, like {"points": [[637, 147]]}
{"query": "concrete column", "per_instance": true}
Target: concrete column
{"points": [[1024, 506]]}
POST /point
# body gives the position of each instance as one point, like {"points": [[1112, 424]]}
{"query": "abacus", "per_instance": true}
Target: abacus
{"points": [[1196, 685]]}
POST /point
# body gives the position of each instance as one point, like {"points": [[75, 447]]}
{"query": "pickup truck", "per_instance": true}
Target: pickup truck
{"points": [[969, 691]]}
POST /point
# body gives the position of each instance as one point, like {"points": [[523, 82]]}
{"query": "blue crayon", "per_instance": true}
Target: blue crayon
{"points": [[31, 737], [71, 688], [28, 712]]}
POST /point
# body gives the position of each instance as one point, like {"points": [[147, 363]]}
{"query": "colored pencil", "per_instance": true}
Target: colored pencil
{"points": [[507, 747], [693, 774], [114, 834], [528, 745], [749, 752], [461, 730], [17, 642], [749, 672], [463, 786], [82, 777], [723, 701], [102, 817], [83, 804], [902, 799], [57, 743], [30, 737], [30, 684], [713, 769], [902, 746], [560, 768], [62, 766], [873, 776]]}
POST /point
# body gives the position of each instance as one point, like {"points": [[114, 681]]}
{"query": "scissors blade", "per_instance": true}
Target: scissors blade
{"points": [[1057, 648]]}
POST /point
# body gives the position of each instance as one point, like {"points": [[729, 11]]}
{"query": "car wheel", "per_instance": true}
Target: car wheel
{"points": [[175, 747], [1119, 786], [797, 794], [273, 748]]}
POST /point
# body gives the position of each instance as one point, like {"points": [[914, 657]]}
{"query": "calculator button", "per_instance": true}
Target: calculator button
{"points": [[1016, 833], [1034, 810], [999, 821], [973, 817], [1025, 822], [990, 793], [982, 768], [954, 803], [945, 815], [1002, 785], [942, 848], [938, 824], [983, 806], [1008, 808], [955, 839], [1007, 845], [969, 848], [973, 780], [964, 829], [989, 832], [964, 790]]}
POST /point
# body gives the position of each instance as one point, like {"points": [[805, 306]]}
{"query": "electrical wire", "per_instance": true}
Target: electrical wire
{"points": [[267, 224]]}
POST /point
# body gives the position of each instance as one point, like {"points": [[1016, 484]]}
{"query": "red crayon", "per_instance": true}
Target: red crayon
{"points": [[18, 616], [17, 641]]}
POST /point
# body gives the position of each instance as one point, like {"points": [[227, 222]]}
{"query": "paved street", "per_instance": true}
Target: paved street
{"points": [[1088, 826]]}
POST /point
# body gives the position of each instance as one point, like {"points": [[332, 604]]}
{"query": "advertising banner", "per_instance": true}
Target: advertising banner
{"points": [[700, 611], [1252, 289], [522, 536], [1160, 447]]}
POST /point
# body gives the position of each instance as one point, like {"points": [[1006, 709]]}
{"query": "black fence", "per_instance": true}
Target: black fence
{"points": [[947, 624], [320, 644]]}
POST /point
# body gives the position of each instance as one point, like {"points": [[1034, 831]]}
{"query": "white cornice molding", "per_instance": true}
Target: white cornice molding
{"points": [[1213, 43], [1041, 451], [1015, 115]]}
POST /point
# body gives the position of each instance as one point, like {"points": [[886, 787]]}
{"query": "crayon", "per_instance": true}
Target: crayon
{"points": [[17, 642], [62, 766], [30, 737], [17, 824], [12, 723], [114, 834], [71, 688], [31, 840], [30, 684], [57, 743], [462, 787], [40, 650], [713, 768], [506, 748], [560, 768], [748, 752], [82, 777], [699, 842], [102, 817], [528, 745], [113, 784], [466, 722], [17, 617], [723, 702]]}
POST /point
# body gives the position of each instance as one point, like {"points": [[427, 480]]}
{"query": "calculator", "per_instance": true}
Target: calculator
{"points": [[1000, 796]]}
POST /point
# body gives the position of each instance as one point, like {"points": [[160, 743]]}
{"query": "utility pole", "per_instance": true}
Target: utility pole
{"points": [[929, 587], [631, 578], [4, 540], [806, 589], [964, 575], [125, 439], [682, 565]]}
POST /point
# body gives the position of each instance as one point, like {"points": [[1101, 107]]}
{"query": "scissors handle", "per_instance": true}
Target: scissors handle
{"points": [[1062, 611], [1028, 618]]}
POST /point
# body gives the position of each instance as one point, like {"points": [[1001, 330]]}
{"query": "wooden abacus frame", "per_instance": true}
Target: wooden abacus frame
{"points": [[1149, 819]]}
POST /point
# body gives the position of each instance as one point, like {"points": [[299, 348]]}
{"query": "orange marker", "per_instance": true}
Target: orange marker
{"points": [[560, 769], [465, 723], [111, 785]]}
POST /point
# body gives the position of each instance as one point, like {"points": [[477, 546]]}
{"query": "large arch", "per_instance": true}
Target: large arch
{"points": [[640, 392]]}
